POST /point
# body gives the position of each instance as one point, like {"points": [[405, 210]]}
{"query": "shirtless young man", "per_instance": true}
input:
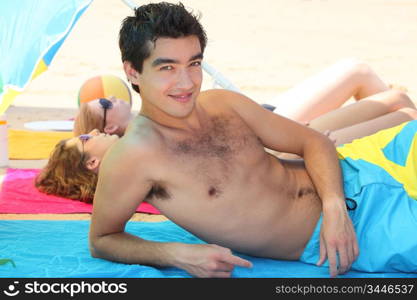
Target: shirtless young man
{"points": [[200, 159]]}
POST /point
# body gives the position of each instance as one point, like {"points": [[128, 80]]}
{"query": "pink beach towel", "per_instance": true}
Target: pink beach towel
{"points": [[19, 196]]}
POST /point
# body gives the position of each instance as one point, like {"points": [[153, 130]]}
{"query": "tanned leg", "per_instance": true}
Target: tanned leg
{"points": [[329, 90], [367, 109]]}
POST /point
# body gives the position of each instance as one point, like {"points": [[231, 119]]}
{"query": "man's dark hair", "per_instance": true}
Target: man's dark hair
{"points": [[153, 21]]}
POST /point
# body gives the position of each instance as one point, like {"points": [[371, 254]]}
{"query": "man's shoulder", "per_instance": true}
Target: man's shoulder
{"points": [[220, 97], [129, 155], [143, 140], [216, 93], [140, 140]]}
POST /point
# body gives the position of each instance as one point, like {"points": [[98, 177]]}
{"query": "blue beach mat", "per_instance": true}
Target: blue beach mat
{"points": [[59, 249]]}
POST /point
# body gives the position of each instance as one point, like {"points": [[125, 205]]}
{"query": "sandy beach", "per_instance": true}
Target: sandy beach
{"points": [[264, 47]]}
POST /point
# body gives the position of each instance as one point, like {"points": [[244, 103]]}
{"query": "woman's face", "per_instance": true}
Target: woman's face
{"points": [[119, 114], [94, 143]]}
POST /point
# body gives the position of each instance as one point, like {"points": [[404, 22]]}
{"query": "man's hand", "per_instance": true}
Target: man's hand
{"points": [[337, 239], [208, 260]]}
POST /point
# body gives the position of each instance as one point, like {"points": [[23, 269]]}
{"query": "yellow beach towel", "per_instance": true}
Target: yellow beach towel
{"points": [[26, 144]]}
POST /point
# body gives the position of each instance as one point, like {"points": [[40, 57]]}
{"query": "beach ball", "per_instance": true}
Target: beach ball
{"points": [[104, 86]]}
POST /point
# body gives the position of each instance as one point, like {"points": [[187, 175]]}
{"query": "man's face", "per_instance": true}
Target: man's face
{"points": [[171, 77]]}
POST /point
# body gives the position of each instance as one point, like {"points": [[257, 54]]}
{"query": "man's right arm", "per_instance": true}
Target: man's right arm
{"points": [[124, 182], [122, 185]]}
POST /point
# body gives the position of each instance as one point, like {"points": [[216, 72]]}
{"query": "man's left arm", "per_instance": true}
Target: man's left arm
{"points": [[337, 236], [338, 239]]}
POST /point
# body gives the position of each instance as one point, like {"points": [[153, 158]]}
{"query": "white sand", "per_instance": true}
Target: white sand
{"points": [[264, 47]]}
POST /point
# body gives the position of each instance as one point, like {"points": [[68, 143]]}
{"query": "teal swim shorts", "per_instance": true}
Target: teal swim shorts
{"points": [[380, 183]]}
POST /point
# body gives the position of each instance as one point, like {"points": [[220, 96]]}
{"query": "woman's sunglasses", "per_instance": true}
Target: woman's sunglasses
{"points": [[105, 104], [84, 138]]}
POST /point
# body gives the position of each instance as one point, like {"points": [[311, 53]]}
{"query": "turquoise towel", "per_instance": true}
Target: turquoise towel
{"points": [[59, 249]]}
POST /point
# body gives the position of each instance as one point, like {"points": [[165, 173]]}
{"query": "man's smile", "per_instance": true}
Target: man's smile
{"points": [[183, 98]]}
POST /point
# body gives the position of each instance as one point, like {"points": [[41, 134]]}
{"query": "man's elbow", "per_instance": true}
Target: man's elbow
{"points": [[328, 140], [94, 246], [321, 143], [94, 252]]}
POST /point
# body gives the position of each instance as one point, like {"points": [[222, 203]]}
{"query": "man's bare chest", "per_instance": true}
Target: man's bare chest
{"points": [[212, 160], [223, 140]]}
